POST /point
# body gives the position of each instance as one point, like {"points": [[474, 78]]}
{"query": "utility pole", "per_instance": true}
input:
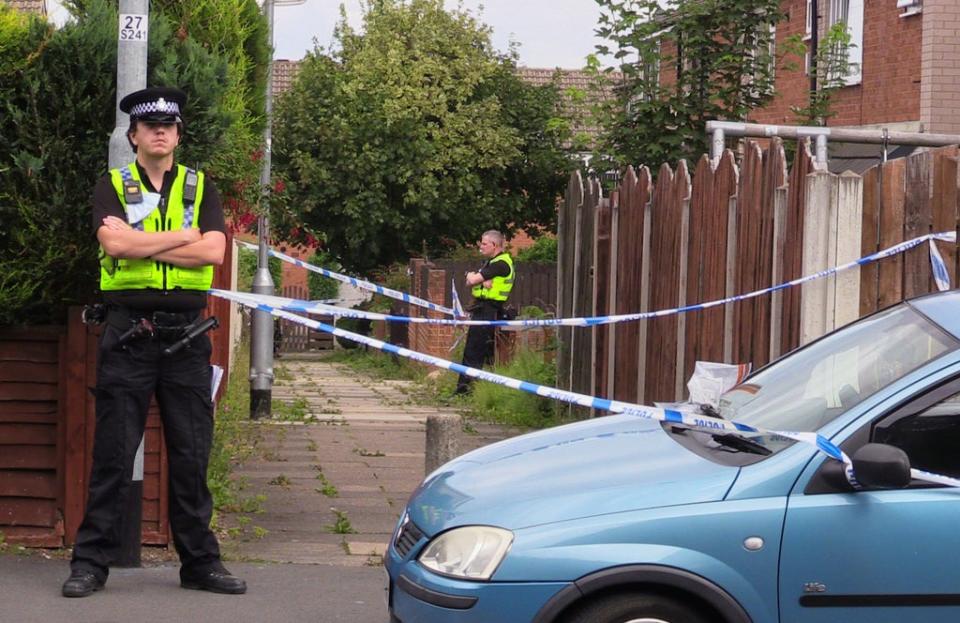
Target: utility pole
{"points": [[261, 340], [132, 34]]}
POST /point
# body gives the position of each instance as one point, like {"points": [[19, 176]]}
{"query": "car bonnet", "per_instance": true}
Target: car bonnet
{"points": [[600, 466]]}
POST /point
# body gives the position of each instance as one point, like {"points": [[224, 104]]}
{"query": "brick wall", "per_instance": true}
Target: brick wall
{"points": [[293, 275], [430, 339], [940, 69], [890, 89]]}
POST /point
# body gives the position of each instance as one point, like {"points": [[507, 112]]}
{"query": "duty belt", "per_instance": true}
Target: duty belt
{"points": [[167, 327], [123, 317]]}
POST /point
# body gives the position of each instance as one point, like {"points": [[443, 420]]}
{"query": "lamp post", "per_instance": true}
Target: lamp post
{"points": [[261, 341], [132, 35]]}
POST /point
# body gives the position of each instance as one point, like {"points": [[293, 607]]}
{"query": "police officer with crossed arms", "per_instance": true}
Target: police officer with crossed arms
{"points": [[490, 286], [161, 230]]}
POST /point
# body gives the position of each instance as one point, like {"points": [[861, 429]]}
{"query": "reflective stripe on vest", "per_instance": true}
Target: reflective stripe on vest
{"points": [[500, 287], [140, 274]]}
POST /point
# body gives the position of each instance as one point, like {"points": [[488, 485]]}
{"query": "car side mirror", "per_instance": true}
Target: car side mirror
{"points": [[880, 466]]}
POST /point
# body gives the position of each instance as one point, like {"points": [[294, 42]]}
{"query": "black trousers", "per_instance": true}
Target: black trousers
{"points": [[479, 349], [126, 380]]}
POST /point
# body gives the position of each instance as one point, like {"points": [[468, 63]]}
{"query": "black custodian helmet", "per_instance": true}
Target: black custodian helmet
{"points": [[158, 104]]}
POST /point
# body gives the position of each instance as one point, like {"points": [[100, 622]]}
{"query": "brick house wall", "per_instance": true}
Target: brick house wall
{"points": [[940, 67], [890, 88], [910, 69]]}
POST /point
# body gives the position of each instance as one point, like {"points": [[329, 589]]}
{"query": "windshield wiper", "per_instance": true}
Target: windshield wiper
{"points": [[709, 409], [743, 444]]}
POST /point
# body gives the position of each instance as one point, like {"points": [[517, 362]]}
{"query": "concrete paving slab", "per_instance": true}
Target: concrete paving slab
{"points": [[371, 451]]}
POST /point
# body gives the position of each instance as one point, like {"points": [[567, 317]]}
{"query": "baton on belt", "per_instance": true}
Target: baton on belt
{"points": [[192, 331]]}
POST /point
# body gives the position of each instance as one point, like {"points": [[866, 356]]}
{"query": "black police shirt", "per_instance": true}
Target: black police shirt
{"points": [[494, 268], [106, 203]]}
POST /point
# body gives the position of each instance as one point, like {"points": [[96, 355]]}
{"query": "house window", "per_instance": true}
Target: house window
{"points": [[910, 7], [648, 76], [763, 55], [850, 12]]}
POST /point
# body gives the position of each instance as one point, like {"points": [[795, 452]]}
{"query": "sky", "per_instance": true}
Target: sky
{"points": [[551, 33]]}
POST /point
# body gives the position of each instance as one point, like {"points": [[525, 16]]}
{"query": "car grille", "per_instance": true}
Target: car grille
{"points": [[408, 536]]}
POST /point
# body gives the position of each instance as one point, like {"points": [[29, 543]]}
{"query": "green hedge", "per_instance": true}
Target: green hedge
{"points": [[57, 103]]}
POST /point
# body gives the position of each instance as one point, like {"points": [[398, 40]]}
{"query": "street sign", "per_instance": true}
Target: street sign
{"points": [[133, 27]]}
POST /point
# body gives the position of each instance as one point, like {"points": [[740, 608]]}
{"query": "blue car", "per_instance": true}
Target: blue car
{"points": [[625, 520]]}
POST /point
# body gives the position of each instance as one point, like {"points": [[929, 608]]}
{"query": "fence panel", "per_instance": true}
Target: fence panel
{"points": [[774, 176], [632, 273], [604, 280], [792, 259], [870, 237], [707, 273], [290, 337], [581, 350], [665, 248], [917, 221], [749, 251], [701, 200], [566, 268], [944, 203]]}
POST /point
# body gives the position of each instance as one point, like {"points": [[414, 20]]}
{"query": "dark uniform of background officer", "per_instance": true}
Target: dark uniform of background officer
{"points": [[491, 287], [161, 231]]}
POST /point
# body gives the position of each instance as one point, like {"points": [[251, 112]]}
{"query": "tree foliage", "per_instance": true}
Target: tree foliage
{"points": [[57, 110], [832, 62], [414, 134], [683, 64]]}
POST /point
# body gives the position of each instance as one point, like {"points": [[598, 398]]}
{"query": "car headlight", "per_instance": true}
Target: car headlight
{"points": [[472, 552]]}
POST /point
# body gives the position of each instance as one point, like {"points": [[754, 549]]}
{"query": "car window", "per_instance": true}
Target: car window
{"points": [[930, 437], [809, 388]]}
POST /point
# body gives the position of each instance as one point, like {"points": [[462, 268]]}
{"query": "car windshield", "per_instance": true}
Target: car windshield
{"points": [[808, 389]]}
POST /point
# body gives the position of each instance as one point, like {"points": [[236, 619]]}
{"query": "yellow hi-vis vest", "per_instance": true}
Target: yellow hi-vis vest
{"points": [[500, 287], [140, 274]]}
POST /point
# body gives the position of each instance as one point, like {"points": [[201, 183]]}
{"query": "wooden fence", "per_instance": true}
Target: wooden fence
{"points": [[46, 429], [728, 229], [291, 337], [535, 283]]}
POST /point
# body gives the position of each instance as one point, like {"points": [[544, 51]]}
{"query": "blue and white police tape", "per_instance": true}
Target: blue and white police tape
{"points": [[458, 311], [939, 268], [941, 276], [670, 416], [357, 283]]}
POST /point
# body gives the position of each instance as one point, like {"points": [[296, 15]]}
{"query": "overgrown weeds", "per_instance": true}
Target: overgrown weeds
{"points": [[487, 401], [513, 407], [234, 440]]}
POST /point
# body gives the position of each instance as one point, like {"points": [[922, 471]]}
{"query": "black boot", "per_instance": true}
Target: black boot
{"points": [[81, 583], [213, 580]]}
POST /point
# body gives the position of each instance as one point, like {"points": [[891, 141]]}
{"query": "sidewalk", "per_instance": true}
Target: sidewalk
{"points": [[335, 487], [368, 444]]}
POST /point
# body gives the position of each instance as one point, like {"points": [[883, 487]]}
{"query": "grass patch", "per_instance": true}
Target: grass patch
{"points": [[365, 452], [234, 439], [505, 405], [488, 401], [280, 481], [298, 410], [342, 523], [376, 364], [281, 372]]}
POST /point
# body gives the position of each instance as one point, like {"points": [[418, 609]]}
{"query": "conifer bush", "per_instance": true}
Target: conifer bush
{"points": [[57, 110]]}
